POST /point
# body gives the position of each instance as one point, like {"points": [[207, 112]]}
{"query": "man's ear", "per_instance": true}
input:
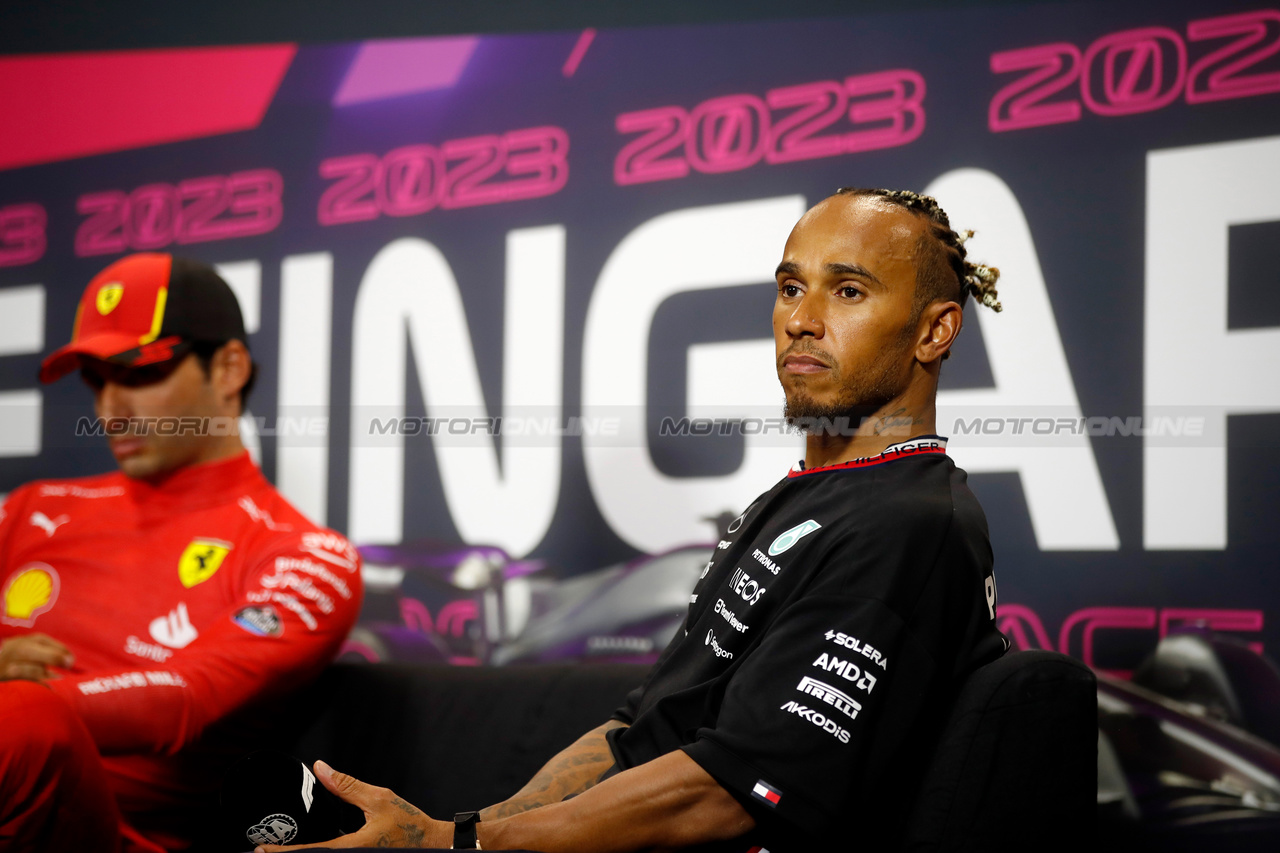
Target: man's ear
{"points": [[940, 323], [230, 370]]}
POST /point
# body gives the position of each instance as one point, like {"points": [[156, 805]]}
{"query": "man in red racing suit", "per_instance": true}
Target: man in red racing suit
{"points": [[146, 611]]}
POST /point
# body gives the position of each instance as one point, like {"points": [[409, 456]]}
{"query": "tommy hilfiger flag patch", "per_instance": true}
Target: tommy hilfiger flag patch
{"points": [[764, 791]]}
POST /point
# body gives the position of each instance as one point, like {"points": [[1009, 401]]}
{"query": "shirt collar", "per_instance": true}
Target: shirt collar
{"points": [[916, 446], [198, 486]]}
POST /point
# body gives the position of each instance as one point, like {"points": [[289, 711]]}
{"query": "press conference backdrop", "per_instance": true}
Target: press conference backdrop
{"points": [[516, 289]]}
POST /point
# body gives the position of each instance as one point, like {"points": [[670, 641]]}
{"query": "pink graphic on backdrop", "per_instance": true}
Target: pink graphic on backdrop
{"points": [[1016, 620], [1104, 617], [579, 50], [392, 67], [1212, 619], [80, 104]]}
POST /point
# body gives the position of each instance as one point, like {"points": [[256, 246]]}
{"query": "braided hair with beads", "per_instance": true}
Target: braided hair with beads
{"points": [[944, 267]]}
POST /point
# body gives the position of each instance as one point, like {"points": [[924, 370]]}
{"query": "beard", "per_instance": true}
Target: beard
{"points": [[861, 396]]}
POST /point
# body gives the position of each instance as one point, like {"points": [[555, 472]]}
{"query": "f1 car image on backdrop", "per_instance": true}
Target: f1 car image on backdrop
{"points": [[431, 601]]}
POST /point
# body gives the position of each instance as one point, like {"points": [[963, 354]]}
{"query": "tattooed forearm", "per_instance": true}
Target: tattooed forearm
{"points": [[414, 836], [573, 771], [511, 807]]}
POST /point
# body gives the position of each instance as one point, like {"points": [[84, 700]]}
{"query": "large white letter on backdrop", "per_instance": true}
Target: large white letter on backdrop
{"points": [[1194, 366], [685, 250], [410, 288], [306, 345], [1065, 498]]}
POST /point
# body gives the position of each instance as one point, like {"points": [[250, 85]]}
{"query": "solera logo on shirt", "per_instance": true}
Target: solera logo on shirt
{"points": [[201, 559]]}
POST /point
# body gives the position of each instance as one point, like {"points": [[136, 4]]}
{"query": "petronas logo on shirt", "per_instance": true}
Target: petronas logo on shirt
{"points": [[200, 560]]}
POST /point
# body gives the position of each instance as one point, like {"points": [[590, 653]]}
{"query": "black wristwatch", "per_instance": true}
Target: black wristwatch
{"points": [[464, 831]]}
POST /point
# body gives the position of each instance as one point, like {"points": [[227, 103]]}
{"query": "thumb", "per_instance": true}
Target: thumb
{"points": [[347, 788]]}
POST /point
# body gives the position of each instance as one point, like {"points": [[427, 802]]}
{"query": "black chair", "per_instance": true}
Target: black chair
{"points": [[1016, 767]]}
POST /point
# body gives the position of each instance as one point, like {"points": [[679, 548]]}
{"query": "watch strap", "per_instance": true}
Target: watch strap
{"points": [[464, 831]]}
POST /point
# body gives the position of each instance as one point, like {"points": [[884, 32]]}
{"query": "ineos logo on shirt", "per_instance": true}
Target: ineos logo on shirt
{"points": [[744, 586]]}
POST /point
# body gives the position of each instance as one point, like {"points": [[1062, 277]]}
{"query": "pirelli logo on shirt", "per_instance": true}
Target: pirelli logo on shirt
{"points": [[201, 559], [838, 699]]}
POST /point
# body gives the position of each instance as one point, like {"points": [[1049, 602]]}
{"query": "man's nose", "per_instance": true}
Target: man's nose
{"points": [[807, 317], [112, 401]]}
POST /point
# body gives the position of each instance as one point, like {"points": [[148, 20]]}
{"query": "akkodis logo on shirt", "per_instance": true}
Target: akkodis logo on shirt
{"points": [[792, 536]]}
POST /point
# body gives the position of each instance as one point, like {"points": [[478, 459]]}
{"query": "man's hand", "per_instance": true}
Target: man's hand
{"points": [[30, 656], [388, 820]]}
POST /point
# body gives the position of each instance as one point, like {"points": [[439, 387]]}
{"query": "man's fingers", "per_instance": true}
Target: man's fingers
{"points": [[20, 670], [347, 788], [357, 839], [280, 848], [36, 648], [44, 654], [61, 654], [389, 820]]}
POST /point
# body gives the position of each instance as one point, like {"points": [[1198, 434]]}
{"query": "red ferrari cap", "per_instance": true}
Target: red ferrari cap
{"points": [[137, 310]]}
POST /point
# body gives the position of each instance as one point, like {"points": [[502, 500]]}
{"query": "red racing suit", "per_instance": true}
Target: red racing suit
{"points": [[183, 604]]}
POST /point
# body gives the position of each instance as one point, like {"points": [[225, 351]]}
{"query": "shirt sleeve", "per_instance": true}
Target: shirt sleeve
{"points": [[834, 683], [10, 509], [292, 614]]}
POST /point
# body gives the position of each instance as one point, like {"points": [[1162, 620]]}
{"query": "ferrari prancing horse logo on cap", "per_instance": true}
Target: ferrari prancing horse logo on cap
{"points": [[200, 560], [108, 297]]}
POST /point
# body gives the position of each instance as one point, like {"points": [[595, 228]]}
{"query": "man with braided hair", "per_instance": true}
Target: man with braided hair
{"points": [[830, 630]]}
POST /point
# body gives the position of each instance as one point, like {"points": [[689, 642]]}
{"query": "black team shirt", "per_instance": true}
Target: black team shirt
{"points": [[824, 644]]}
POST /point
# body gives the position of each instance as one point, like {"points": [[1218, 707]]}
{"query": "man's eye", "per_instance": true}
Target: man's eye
{"points": [[789, 290], [140, 376], [93, 380], [850, 292]]}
